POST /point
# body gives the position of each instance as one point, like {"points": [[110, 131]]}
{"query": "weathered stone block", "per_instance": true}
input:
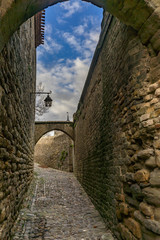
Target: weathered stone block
{"points": [[133, 226], [148, 123], [157, 92], [144, 154], [157, 214], [157, 154], [151, 162], [1, 195], [136, 190], [148, 97], [155, 178], [152, 225], [118, 214], [153, 87], [120, 197], [144, 117], [125, 233], [146, 209], [155, 113], [142, 175], [123, 208], [152, 195], [148, 235], [157, 144], [129, 177], [2, 215], [154, 100]]}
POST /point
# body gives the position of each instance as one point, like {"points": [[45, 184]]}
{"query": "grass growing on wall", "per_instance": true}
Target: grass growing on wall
{"points": [[62, 159]]}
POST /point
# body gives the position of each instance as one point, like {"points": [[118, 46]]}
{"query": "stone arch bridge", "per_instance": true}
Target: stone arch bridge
{"points": [[42, 128]]}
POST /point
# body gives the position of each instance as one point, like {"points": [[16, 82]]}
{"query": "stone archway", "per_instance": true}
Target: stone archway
{"points": [[42, 128], [63, 145], [55, 152], [143, 16]]}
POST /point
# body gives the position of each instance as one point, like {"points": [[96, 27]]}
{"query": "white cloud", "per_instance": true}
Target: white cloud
{"points": [[79, 30], [48, 29], [66, 82], [50, 45], [71, 7], [66, 78], [72, 41], [83, 39], [60, 20], [91, 40]]}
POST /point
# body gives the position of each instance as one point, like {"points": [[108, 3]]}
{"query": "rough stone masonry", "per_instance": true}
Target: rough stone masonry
{"points": [[117, 133], [17, 82]]}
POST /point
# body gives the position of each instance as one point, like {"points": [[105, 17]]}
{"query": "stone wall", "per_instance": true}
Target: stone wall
{"points": [[117, 137], [55, 152], [17, 81]]}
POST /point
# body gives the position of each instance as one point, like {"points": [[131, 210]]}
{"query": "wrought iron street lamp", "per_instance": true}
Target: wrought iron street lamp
{"points": [[48, 100]]}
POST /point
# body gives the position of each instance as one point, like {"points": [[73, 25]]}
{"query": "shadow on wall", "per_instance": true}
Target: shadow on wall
{"points": [[55, 152]]}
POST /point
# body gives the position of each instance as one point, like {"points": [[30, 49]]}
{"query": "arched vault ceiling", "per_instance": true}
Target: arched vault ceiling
{"points": [[142, 15]]}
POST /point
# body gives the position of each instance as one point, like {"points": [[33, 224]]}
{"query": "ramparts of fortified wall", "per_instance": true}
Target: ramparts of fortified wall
{"points": [[117, 135], [55, 152], [17, 81]]}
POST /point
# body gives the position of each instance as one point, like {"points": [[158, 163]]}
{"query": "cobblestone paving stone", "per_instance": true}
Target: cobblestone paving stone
{"points": [[59, 209]]}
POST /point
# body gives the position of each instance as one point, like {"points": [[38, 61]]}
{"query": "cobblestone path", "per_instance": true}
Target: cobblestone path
{"points": [[59, 209]]}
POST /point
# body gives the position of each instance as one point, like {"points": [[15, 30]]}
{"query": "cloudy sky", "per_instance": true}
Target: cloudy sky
{"points": [[71, 34]]}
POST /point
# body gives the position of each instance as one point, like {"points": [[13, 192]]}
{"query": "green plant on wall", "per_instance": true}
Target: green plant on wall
{"points": [[63, 157], [29, 68]]}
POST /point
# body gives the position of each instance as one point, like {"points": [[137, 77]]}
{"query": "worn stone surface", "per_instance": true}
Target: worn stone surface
{"points": [[125, 233], [157, 214], [150, 224], [142, 175], [145, 154], [17, 81], [55, 152], [59, 209], [146, 209], [133, 226], [155, 178], [152, 195], [123, 207], [116, 145], [151, 162]]}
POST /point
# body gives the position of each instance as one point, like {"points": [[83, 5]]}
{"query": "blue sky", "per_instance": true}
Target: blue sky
{"points": [[71, 34]]}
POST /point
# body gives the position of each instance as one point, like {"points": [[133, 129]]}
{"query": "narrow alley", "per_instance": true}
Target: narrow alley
{"points": [[58, 208]]}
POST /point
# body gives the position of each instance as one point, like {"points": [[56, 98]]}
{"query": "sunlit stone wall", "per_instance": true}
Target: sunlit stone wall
{"points": [[117, 137]]}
